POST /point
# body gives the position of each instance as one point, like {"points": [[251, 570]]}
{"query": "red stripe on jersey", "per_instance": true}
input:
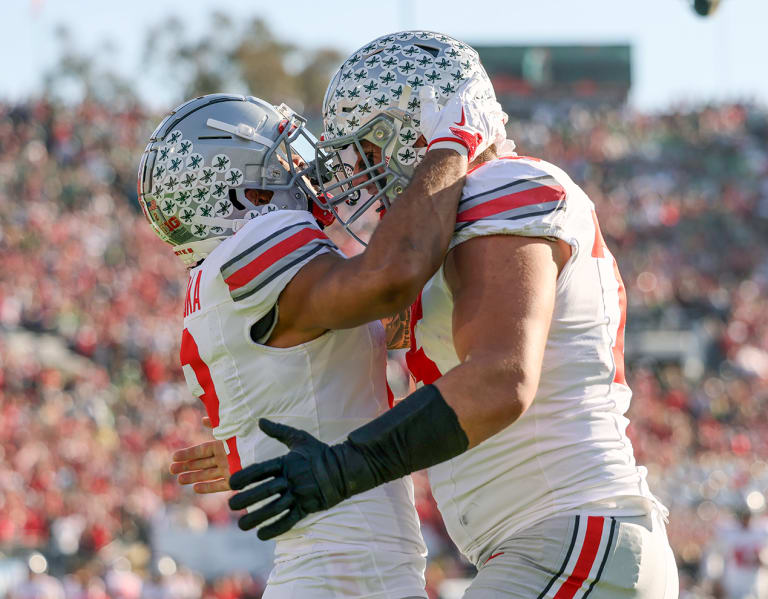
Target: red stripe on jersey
{"points": [[255, 267], [599, 248], [618, 346], [189, 354], [586, 559], [477, 166], [519, 158], [598, 245], [537, 195], [494, 555], [422, 368], [233, 456]]}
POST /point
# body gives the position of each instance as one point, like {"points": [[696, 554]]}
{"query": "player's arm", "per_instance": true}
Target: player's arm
{"points": [[410, 243], [407, 247], [504, 289], [504, 293]]}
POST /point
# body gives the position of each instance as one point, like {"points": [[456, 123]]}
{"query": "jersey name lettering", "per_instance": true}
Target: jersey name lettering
{"points": [[192, 301]]}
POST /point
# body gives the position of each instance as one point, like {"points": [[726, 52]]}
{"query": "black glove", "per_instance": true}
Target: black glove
{"points": [[421, 431], [308, 479]]}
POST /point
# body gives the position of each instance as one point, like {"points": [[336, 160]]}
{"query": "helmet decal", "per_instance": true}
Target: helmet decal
{"points": [[201, 194], [194, 162], [234, 177], [188, 181], [175, 164], [207, 176], [220, 163], [173, 138], [183, 198]]}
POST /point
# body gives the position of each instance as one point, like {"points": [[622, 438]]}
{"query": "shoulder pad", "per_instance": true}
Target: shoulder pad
{"points": [[509, 188], [270, 246]]}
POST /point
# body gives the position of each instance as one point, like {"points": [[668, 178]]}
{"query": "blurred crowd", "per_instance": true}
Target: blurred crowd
{"points": [[86, 429]]}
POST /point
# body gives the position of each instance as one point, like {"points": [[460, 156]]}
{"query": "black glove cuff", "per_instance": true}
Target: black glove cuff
{"points": [[419, 432]]}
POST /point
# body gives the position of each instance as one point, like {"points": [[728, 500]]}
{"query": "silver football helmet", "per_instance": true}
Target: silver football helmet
{"points": [[206, 153], [374, 96]]}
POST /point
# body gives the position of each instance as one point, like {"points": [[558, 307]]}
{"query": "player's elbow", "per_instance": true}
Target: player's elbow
{"points": [[513, 385], [399, 286]]}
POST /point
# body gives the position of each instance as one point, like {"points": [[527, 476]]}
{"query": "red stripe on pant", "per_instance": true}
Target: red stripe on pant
{"points": [[586, 559]]}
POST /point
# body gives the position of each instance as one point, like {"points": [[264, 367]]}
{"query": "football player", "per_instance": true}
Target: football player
{"points": [[269, 325], [738, 559], [518, 339]]}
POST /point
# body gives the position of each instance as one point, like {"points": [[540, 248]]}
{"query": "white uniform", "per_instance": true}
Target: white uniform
{"points": [[569, 453], [367, 546], [744, 552]]}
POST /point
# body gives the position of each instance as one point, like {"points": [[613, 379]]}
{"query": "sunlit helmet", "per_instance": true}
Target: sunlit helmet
{"points": [[374, 96], [206, 153]]}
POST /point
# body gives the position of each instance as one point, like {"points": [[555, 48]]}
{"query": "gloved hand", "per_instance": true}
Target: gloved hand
{"points": [[306, 478], [469, 122], [419, 432]]}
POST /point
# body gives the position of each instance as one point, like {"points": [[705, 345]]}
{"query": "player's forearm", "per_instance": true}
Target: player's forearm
{"points": [[405, 251], [469, 404], [410, 243], [466, 406]]}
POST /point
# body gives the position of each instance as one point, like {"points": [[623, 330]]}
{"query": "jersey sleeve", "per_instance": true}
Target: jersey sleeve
{"points": [[270, 250], [512, 197]]}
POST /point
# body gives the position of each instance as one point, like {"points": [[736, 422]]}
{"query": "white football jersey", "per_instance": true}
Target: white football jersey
{"points": [[328, 387], [569, 452], [744, 551]]}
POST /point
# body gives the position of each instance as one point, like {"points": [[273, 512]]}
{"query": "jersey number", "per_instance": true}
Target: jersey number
{"points": [[190, 357]]}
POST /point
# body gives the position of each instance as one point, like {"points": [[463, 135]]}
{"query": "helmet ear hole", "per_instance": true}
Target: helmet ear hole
{"points": [[235, 201], [429, 49]]}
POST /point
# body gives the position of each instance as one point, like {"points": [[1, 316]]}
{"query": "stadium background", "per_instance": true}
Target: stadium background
{"points": [[92, 400]]}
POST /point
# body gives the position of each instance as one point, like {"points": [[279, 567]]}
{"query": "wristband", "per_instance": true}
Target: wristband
{"points": [[419, 432], [448, 143]]}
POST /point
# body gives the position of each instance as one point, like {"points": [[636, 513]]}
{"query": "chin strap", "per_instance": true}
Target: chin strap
{"points": [[323, 216]]}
